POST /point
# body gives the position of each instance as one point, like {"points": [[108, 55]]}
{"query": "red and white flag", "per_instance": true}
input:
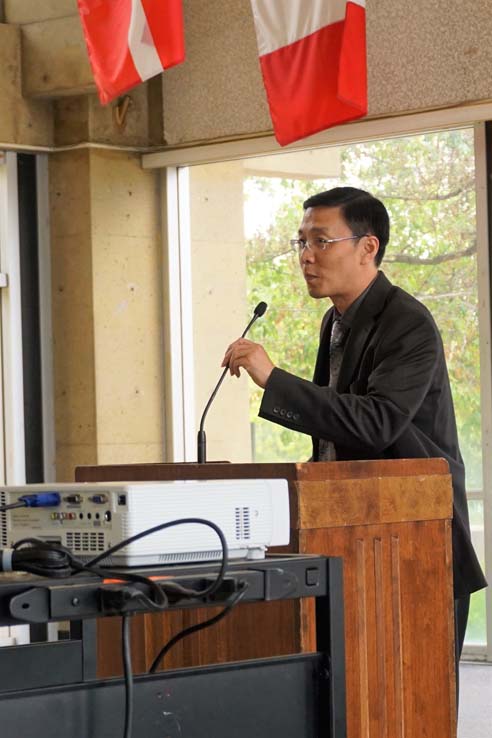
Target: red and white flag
{"points": [[313, 60], [130, 41]]}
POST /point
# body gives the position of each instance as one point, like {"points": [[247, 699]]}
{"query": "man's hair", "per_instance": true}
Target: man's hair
{"points": [[362, 212]]}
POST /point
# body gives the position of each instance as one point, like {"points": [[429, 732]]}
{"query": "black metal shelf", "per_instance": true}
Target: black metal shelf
{"points": [[50, 689]]}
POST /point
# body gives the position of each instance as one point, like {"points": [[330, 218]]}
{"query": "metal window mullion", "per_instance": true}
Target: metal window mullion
{"points": [[180, 395], [188, 358], [483, 164]]}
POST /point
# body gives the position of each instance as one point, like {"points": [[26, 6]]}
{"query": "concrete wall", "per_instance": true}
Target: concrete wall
{"points": [[127, 304], [107, 303], [22, 121], [73, 328]]}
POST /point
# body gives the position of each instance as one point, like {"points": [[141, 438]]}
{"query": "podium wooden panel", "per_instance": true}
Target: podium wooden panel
{"points": [[391, 523]]}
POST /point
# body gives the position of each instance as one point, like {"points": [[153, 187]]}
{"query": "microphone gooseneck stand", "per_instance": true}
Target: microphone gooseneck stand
{"points": [[201, 442]]}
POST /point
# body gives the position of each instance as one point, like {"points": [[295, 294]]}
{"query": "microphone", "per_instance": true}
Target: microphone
{"points": [[201, 442]]}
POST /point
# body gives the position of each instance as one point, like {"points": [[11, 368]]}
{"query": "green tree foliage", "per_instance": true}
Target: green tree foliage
{"points": [[427, 183]]}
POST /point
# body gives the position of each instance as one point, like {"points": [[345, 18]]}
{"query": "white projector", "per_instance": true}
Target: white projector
{"points": [[91, 517]]}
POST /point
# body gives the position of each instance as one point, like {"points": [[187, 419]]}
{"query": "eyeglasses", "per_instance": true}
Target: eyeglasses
{"points": [[319, 244]]}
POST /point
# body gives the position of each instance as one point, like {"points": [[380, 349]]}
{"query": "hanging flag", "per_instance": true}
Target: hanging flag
{"points": [[130, 41], [313, 60]]}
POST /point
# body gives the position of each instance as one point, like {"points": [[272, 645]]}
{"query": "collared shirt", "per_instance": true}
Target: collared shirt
{"points": [[326, 449], [348, 317]]}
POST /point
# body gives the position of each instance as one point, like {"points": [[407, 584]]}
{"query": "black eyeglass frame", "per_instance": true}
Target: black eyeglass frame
{"points": [[301, 244]]}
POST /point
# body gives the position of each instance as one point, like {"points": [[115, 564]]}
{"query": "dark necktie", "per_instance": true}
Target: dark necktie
{"points": [[336, 351], [326, 448]]}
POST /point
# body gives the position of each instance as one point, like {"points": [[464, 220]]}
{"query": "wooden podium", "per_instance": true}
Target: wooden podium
{"points": [[391, 523]]}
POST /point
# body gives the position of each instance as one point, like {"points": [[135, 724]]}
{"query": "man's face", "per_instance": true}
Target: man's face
{"points": [[334, 272]]}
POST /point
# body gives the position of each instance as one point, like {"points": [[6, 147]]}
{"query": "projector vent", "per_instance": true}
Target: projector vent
{"points": [[85, 542], [170, 558], [243, 523], [177, 558], [3, 521]]}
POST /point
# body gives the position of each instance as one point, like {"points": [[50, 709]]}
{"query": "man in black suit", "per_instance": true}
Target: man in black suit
{"points": [[380, 387]]}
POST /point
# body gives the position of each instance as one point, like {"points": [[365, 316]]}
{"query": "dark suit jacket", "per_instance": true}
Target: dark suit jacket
{"points": [[392, 401]]}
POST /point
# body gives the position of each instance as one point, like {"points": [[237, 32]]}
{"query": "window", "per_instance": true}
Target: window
{"points": [[25, 313], [242, 215]]}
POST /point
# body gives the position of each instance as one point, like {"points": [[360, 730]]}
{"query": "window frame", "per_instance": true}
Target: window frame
{"points": [[179, 390], [12, 410], [12, 470]]}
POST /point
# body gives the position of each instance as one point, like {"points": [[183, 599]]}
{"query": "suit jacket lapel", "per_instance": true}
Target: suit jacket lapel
{"points": [[353, 351], [366, 319]]}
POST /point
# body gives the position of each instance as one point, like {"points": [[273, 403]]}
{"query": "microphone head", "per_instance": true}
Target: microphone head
{"points": [[260, 309]]}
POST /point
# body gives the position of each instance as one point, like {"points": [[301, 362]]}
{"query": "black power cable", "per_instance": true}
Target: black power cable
{"points": [[212, 588], [53, 560], [198, 626], [128, 674], [12, 506]]}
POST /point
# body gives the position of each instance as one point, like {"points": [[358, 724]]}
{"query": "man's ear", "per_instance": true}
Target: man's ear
{"points": [[370, 248]]}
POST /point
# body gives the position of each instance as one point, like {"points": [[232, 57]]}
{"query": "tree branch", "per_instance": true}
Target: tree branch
{"points": [[437, 197], [441, 295], [407, 259]]}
